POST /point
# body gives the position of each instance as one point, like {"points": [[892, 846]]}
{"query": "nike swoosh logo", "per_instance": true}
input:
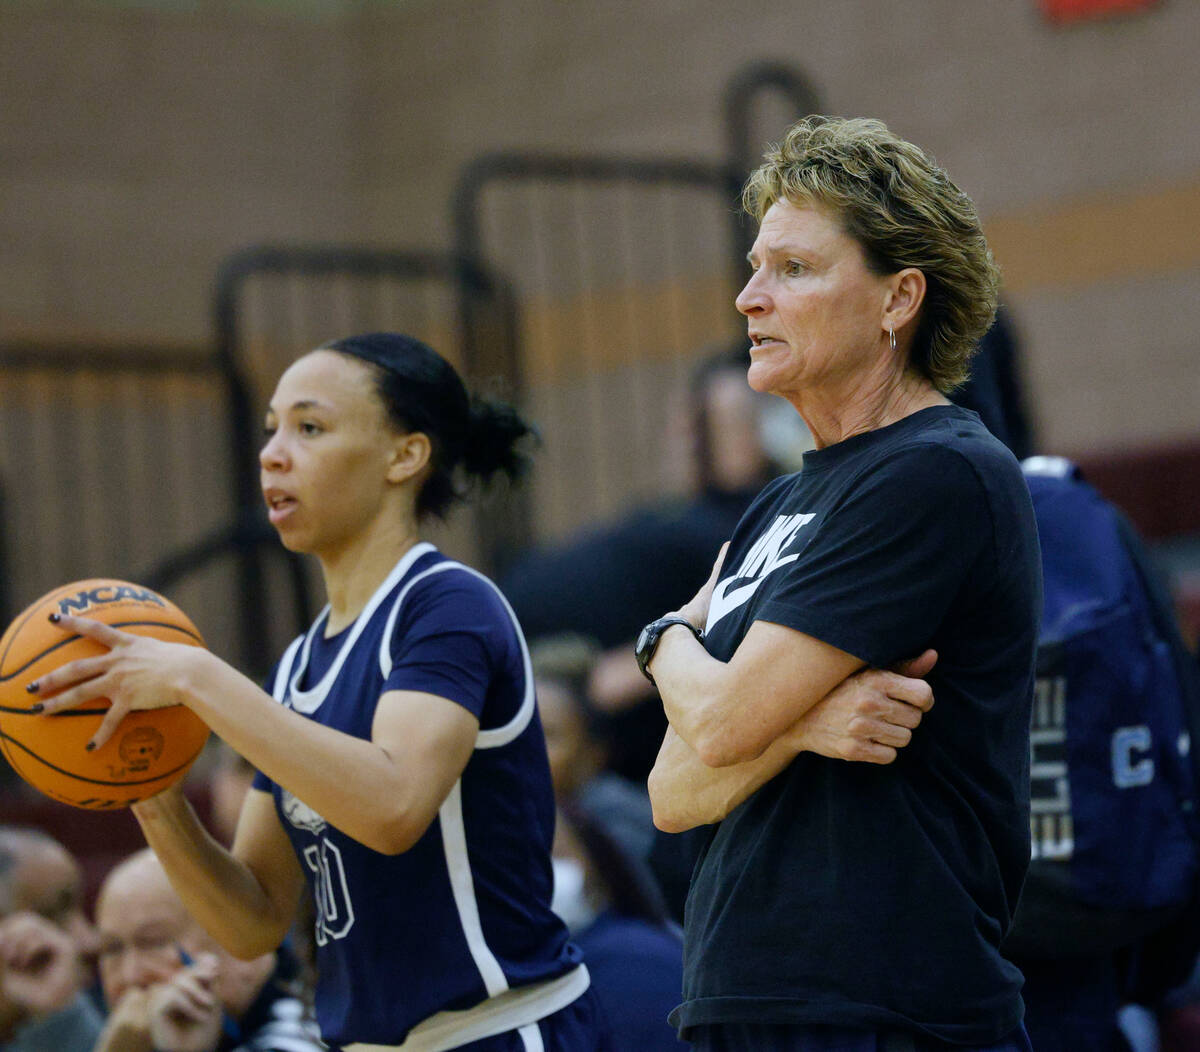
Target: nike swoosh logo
{"points": [[726, 598], [762, 560]]}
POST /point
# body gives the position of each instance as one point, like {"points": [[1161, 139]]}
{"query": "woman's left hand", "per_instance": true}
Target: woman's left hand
{"points": [[137, 672], [871, 716]]}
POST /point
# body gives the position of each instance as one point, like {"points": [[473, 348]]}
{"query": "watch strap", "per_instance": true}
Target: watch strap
{"points": [[649, 637]]}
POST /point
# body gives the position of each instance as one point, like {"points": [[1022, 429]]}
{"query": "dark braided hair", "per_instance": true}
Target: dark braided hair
{"points": [[421, 391]]}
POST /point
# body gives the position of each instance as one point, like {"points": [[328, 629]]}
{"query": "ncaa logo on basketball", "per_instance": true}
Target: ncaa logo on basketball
{"points": [[140, 747], [105, 594]]}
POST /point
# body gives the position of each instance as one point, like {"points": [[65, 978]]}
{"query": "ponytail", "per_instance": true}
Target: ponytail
{"points": [[493, 440], [421, 391]]}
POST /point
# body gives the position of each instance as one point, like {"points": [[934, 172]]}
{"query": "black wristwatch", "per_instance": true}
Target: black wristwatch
{"points": [[647, 640]]}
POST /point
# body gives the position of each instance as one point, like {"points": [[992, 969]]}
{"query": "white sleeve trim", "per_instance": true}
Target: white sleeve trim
{"points": [[496, 736]]}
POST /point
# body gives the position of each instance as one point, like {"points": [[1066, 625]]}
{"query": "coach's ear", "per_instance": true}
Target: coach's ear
{"points": [[408, 456]]}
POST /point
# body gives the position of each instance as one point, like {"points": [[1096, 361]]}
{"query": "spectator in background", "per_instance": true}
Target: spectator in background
{"points": [[617, 916], [46, 943], [170, 986], [577, 744], [229, 781], [606, 582]]}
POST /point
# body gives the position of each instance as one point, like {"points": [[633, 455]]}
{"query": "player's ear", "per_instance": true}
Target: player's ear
{"points": [[409, 455]]}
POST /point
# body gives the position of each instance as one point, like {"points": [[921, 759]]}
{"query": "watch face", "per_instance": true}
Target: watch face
{"points": [[643, 636]]}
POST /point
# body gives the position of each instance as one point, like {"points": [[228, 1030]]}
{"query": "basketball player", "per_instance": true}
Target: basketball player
{"points": [[403, 767]]}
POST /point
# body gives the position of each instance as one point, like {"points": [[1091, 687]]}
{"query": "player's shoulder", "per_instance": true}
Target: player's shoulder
{"points": [[436, 581]]}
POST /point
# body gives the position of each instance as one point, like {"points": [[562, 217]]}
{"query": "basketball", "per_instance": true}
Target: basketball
{"points": [[150, 750]]}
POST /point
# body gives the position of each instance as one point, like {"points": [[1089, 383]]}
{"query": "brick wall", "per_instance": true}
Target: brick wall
{"points": [[140, 145]]}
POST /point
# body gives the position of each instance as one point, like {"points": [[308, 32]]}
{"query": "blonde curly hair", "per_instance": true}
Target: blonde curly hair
{"points": [[904, 211]]}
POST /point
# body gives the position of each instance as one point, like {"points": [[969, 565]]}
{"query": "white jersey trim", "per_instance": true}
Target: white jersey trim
{"points": [[283, 673], [308, 701], [519, 1010], [462, 885]]}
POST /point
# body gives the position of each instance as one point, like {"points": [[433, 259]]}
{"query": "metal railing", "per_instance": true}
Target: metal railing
{"points": [[112, 457], [617, 273], [622, 275]]}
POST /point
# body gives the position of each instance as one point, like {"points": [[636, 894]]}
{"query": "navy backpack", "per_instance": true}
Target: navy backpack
{"points": [[1114, 827]]}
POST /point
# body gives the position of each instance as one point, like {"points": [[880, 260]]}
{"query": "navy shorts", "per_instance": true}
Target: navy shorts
{"points": [[580, 1027], [767, 1037]]}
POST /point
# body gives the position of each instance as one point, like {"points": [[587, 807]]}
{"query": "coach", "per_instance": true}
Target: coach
{"points": [[858, 906]]}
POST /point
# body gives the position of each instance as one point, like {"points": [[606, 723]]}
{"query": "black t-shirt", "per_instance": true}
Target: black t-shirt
{"points": [[877, 896]]}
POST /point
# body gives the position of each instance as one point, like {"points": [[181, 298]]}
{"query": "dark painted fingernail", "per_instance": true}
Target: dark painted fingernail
{"points": [[90, 746], [32, 687], [54, 619], [37, 708]]}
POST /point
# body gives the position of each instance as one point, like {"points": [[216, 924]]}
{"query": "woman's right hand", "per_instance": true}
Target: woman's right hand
{"points": [[870, 716]]}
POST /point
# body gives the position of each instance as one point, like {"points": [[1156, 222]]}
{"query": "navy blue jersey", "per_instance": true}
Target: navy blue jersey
{"points": [[461, 920], [865, 895]]}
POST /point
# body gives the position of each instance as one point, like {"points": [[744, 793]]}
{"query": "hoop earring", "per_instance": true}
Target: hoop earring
{"points": [[892, 338]]}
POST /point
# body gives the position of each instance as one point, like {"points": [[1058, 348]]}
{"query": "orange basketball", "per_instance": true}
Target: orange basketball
{"points": [[149, 751]]}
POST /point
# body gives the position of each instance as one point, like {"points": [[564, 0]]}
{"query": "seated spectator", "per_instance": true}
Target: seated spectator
{"points": [[46, 944], [168, 985], [617, 917], [576, 740]]}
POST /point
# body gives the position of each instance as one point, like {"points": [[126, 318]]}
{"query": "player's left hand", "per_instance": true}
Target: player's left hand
{"points": [[137, 672]]}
